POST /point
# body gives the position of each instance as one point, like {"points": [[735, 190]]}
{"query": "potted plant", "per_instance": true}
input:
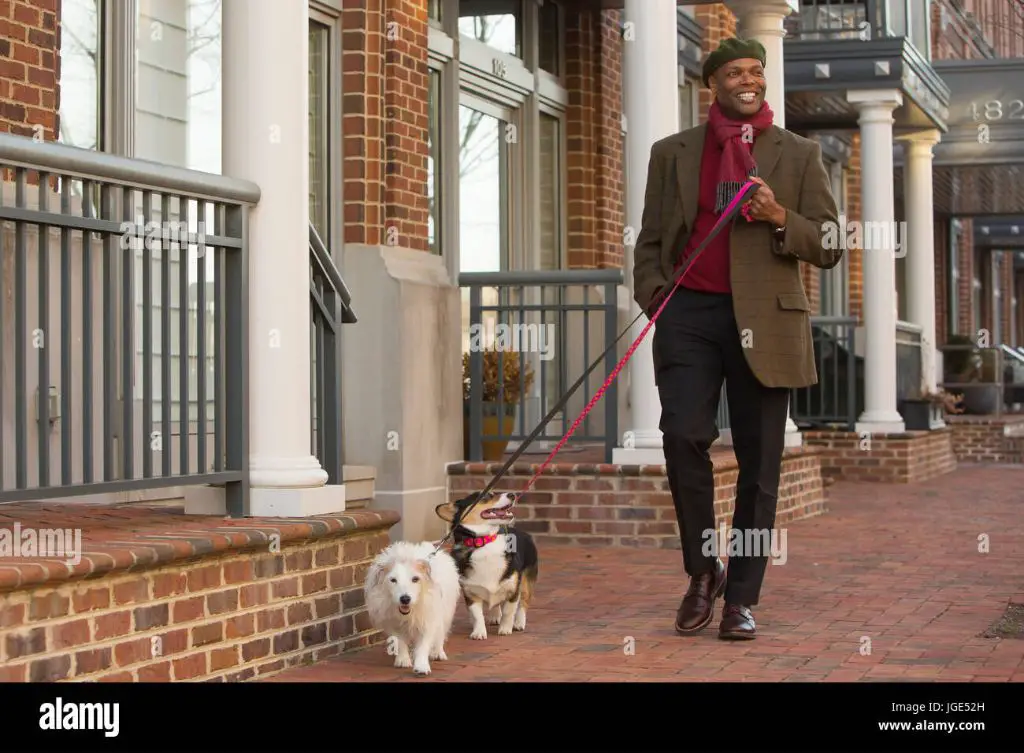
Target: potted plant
{"points": [[982, 399], [927, 411], [502, 378]]}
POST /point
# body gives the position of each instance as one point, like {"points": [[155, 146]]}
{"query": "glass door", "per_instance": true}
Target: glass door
{"points": [[486, 141]]}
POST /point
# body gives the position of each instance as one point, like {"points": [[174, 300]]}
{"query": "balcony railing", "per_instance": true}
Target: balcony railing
{"points": [[860, 19], [330, 307], [546, 327], [123, 325]]}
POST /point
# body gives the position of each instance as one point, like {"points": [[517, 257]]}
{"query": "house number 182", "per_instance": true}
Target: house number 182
{"points": [[996, 109]]}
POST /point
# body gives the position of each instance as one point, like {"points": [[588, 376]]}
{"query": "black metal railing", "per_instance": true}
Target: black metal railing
{"points": [[836, 400], [541, 330], [123, 325], [330, 307]]}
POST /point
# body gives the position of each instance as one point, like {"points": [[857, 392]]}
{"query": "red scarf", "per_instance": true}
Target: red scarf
{"points": [[737, 142]]}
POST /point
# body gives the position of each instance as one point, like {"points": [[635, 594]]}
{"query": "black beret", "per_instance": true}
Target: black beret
{"points": [[729, 50]]}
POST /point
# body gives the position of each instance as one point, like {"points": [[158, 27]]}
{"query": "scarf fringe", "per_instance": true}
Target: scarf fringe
{"points": [[727, 191]]}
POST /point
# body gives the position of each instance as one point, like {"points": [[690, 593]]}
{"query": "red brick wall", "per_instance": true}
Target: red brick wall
{"points": [[894, 458], [385, 121], [29, 67], [224, 618], [596, 208], [984, 439], [1001, 22]]}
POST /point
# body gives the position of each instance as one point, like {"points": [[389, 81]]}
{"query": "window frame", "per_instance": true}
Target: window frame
{"points": [[472, 67]]}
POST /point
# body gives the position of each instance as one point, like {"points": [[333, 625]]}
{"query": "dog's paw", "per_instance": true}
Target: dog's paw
{"points": [[403, 662], [439, 655], [495, 616], [479, 634], [422, 670], [505, 630], [520, 622]]}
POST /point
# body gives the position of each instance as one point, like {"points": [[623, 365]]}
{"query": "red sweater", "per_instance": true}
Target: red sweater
{"points": [[710, 272]]}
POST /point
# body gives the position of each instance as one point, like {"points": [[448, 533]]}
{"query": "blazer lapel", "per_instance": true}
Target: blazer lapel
{"points": [[688, 158], [767, 150]]}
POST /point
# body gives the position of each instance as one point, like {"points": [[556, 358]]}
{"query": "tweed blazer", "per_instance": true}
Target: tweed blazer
{"points": [[771, 306]]}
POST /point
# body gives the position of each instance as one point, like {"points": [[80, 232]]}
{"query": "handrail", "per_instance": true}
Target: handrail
{"points": [[75, 162], [1016, 354], [330, 270]]}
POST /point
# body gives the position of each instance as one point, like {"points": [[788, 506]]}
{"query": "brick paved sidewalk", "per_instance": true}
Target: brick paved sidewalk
{"points": [[899, 565]]}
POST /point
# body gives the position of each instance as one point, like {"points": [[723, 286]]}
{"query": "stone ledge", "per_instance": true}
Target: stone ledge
{"points": [[123, 538]]}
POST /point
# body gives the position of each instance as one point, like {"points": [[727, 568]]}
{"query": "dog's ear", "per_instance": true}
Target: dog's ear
{"points": [[446, 511]]}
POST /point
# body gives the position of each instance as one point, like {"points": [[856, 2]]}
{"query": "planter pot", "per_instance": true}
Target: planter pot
{"points": [[981, 399], [921, 415], [492, 425]]}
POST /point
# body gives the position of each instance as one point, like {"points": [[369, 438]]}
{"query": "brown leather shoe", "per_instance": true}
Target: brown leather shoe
{"points": [[698, 605], [737, 623]]}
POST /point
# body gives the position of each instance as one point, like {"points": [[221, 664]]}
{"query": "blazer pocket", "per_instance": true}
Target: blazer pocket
{"points": [[794, 302]]}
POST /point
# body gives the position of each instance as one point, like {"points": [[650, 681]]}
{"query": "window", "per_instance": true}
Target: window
{"points": [[178, 94], [953, 297], [550, 192], [434, 11], [687, 118], [496, 23], [550, 38], [80, 74], [433, 162], [834, 283], [484, 187], [996, 265], [319, 128]]}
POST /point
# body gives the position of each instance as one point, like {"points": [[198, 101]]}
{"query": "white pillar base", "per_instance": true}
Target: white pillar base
{"points": [[794, 438], [286, 473], [296, 503], [638, 456], [269, 502], [880, 422]]}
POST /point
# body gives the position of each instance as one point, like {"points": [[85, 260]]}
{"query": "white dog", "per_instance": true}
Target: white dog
{"points": [[411, 596]]}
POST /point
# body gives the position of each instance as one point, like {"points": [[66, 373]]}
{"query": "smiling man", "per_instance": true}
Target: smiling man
{"points": [[740, 316]]}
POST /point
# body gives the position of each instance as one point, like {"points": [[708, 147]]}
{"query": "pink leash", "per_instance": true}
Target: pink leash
{"points": [[726, 216], [732, 209]]}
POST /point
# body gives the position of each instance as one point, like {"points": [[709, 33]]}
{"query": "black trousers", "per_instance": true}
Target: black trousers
{"points": [[698, 346]]}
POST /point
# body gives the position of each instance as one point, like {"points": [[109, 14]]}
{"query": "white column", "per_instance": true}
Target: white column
{"points": [[651, 104], [919, 245], [877, 206], [266, 140], [763, 20]]}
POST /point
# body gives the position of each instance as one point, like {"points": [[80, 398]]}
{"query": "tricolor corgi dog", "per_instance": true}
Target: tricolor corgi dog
{"points": [[497, 563]]}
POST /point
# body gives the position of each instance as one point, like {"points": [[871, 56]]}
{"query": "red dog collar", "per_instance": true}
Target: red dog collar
{"points": [[479, 540]]}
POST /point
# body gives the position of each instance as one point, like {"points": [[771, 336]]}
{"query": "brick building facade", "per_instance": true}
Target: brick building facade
{"points": [[385, 83]]}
